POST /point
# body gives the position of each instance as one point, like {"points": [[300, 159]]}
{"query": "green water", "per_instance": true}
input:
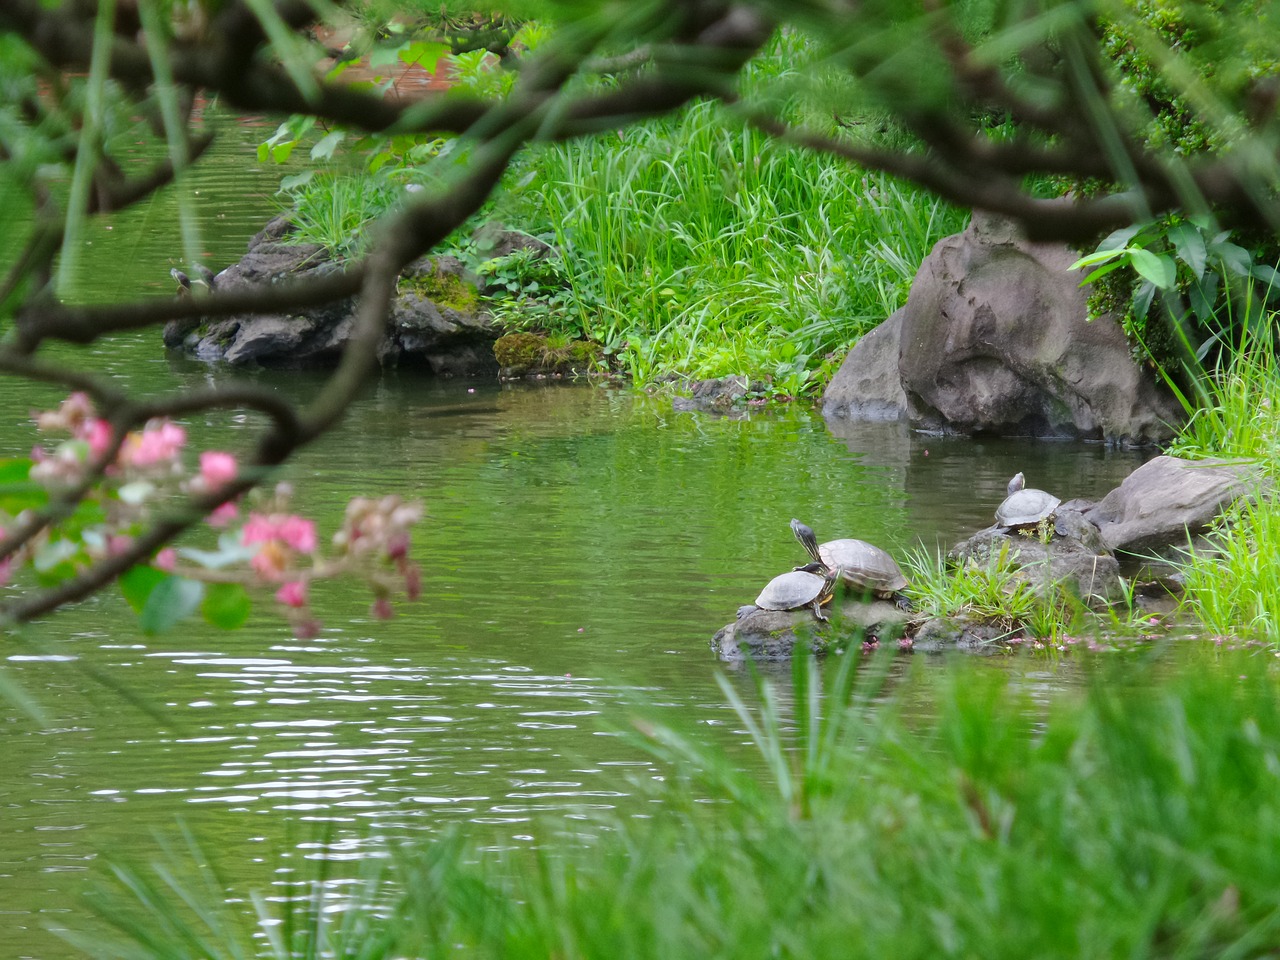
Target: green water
{"points": [[581, 546]]}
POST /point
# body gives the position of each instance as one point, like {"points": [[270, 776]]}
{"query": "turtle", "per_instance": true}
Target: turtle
{"points": [[206, 275], [861, 565], [1023, 507], [796, 589], [183, 282]]}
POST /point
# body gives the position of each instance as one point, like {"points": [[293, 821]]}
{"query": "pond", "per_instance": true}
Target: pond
{"points": [[581, 546]]}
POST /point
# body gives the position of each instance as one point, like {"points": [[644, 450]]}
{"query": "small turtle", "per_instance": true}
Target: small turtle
{"points": [[206, 275], [863, 566], [1023, 507], [799, 588], [183, 282]]}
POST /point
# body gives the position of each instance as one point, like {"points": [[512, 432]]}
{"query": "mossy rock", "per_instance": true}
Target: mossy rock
{"points": [[532, 354], [444, 289]]}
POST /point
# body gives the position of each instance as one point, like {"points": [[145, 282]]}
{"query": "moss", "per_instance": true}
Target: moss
{"points": [[521, 353], [445, 289], [519, 350]]}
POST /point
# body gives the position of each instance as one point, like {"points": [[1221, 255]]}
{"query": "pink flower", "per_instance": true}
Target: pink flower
{"points": [[98, 434], [297, 533], [258, 529], [158, 442], [293, 594], [271, 561], [293, 531], [217, 468], [382, 609], [222, 515], [165, 560]]}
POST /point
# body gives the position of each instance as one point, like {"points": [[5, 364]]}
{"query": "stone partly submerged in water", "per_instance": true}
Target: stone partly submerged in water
{"points": [[995, 337], [1168, 499], [765, 635], [436, 319]]}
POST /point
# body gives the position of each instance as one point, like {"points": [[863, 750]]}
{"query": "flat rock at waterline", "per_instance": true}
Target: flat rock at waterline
{"points": [[995, 338], [773, 634], [1167, 498], [435, 319]]}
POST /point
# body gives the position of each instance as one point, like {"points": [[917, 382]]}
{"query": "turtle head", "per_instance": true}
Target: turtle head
{"points": [[1017, 483], [807, 539]]}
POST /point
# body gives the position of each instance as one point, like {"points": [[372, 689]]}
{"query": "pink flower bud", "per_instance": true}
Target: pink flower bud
{"points": [[222, 515], [165, 560], [382, 609], [217, 468], [293, 594]]}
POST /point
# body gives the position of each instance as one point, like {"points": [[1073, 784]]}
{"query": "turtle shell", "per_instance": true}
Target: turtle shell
{"points": [[1025, 507], [791, 591], [863, 565]]}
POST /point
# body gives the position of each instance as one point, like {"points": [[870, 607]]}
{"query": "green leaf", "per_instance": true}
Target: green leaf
{"points": [[226, 605], [1102, 256], [172, 600], [226, 555], [136, 584], [291, 183], [1269, 276], [53, 553], [1120, 238], [136, 493], [1156, 268], [426, 54], [327, 145], [1234, 258], [385, 56], [1103, 270], [1142, 297], [1189, 243], [18, 491]]}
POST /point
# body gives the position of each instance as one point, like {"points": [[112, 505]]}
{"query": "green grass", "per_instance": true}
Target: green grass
{"points": [[948, 813], [699, 247], [1230, 586], [692, 244]]}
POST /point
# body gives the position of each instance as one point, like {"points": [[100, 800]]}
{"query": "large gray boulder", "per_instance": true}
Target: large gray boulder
{"points": [[995, 337], [436, 319], [1167, 500]]}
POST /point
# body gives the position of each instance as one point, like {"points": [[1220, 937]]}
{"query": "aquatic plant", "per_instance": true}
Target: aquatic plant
{"points": [[865, 816], [997, 592]]}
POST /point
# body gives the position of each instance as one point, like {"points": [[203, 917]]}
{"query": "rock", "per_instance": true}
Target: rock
{"points": [[764, 635], [1076, 560], [436, 319], [868, 386], [494, 241], [956, 633], [1166, 499], [533, 355], [994, 337], [721, 394]]}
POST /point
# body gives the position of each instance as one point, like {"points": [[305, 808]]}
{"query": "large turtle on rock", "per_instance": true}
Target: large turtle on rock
{"points": [[1025, 508], [862, 566]]}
